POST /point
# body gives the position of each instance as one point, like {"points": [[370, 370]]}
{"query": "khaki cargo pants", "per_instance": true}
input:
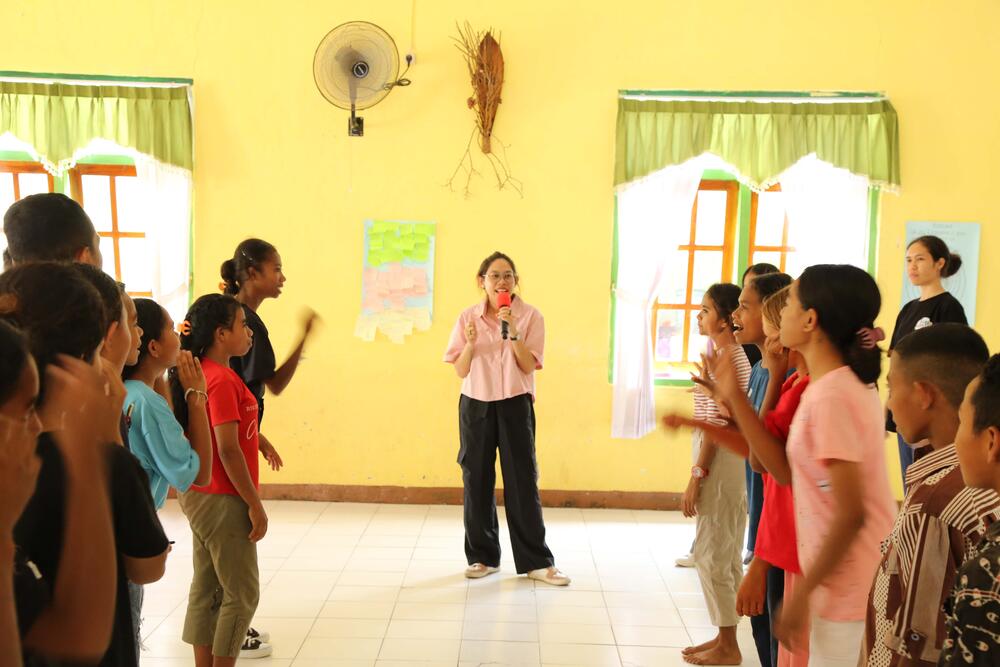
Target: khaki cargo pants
{"points": [[225, 587]]}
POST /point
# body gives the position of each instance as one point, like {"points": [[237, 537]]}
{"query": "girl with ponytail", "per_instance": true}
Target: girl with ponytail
{"points": [[252, 275], [227, 517], [836, 451], [928, 261], [156, 438]]}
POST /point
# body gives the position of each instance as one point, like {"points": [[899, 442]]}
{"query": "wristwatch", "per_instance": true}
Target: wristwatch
{"points": [[698, 472]]}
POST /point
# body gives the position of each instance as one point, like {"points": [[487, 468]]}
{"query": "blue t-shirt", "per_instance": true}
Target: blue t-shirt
{"points": [[158, 441], [757, 387]]}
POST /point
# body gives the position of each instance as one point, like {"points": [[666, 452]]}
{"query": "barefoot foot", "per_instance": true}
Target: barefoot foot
{"points": [[717, 655], [690, 650]]}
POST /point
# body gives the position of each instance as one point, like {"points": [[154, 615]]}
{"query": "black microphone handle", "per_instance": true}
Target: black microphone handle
{"points": [[503, 329]]}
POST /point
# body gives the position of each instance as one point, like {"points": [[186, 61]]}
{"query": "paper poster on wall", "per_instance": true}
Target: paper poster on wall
{"points": [[397, 286], [963, 240]]}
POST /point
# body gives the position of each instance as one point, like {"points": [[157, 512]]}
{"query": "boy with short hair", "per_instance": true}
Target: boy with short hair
{"points": [[941, 519], [973, 611]]}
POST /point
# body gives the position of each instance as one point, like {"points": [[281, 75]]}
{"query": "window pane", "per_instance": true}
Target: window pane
{"points": [[768, 257], [97, 201], [770, 218], [128, 197], [710, 222], [135, 265], [108, 253], [707, 272], [669, 335], [673, 284], [33, 184]]}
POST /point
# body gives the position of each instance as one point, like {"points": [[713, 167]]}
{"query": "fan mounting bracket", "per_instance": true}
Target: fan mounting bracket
{"points": [[355, 125]]}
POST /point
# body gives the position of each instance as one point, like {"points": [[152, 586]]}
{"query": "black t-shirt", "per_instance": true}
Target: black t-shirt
{"points": [[258, 365], [138, 533], [919, 314], [31, 596]]}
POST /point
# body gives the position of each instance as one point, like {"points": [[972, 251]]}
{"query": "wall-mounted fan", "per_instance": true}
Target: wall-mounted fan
{"points": [[355, 67]]}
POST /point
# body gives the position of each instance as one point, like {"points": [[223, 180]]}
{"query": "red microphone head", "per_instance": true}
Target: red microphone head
{"points": [[503, 299]]}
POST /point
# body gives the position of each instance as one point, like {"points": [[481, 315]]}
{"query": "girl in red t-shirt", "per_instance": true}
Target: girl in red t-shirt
{"points": [[227, 517]]}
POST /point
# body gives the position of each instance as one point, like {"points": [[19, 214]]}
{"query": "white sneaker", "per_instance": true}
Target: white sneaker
{"points": [[478, 571], [254, 648], [549, 575], [685, 561]]}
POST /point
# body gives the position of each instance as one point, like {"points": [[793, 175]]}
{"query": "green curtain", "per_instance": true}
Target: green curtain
{"points": [[760, 139], [57, 119]]}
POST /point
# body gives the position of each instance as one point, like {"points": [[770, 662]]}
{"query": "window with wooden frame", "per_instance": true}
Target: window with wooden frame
{"points": [[768, 241], [707, 257], [109, 194]]}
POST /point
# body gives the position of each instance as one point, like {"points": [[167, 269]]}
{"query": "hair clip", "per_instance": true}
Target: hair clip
{"points": [[222, 286], [184, 328], [870, 337]]}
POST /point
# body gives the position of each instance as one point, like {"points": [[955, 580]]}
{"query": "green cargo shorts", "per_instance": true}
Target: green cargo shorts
{"points": [[225, 587]]}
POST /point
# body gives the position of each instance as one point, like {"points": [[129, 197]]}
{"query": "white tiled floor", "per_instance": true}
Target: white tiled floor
{"points": [[347, 585]]}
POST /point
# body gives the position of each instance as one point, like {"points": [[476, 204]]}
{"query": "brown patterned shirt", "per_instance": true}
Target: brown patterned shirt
{"points": [[937, 529]]}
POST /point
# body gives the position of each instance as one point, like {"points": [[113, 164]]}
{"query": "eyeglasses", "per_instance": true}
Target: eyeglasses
{"points": [[497, 277]]}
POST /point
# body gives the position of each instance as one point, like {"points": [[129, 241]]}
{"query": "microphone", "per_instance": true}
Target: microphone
{"points": [[503, 299]]}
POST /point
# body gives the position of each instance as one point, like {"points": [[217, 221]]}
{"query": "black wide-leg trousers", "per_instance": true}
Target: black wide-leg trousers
{"points": [[485, 426]]}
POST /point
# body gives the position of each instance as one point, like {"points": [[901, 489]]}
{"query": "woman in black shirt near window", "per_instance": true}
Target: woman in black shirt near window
{"points": [[928, 260]]}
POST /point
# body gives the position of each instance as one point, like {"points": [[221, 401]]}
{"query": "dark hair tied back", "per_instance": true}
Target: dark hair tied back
{"points": [[938, 249], [207, 315], [726, 297], [847, 301], [250, 254], [152, 319]]}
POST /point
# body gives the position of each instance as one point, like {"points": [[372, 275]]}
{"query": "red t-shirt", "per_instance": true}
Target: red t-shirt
{"points": [[776, 537], [229, 400]]}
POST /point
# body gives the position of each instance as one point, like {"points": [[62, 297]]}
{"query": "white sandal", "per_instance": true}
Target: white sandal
{"points": [[478, 571], [549, 575]]}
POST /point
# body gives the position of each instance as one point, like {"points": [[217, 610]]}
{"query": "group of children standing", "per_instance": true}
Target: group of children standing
{"points": [[839, 576], [105, 404]]}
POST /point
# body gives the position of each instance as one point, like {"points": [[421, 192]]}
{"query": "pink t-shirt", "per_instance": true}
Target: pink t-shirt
{"points": [[494, 374], [840, 418]]}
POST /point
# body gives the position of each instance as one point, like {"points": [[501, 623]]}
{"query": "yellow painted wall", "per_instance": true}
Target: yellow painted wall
{"points": [[273, 160]]}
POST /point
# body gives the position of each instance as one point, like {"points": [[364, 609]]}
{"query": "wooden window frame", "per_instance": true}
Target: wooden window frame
{"points": [[15, 167], [728, 250], [114, 172], [753, 248]]}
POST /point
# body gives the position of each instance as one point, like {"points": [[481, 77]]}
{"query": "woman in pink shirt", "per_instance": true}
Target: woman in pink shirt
{"points": [[836, 449], [496, 350]]}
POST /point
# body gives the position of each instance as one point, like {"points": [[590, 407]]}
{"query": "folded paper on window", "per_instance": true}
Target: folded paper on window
{"points": [[397, 285]]}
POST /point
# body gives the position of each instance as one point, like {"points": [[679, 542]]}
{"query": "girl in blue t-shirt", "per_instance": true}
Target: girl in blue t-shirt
{"points": [[167, 455]]}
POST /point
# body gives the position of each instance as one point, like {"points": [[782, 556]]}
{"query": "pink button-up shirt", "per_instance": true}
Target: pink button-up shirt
{"points": [[494, 374]]}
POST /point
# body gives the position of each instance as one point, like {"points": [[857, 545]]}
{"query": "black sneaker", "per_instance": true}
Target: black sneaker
{"points": [[254, 648]]}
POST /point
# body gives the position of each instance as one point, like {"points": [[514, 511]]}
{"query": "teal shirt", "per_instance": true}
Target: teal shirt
{"points": [[158, 441]]}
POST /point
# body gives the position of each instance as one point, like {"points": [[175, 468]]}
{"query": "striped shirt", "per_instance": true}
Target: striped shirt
{"points": [[705, 409], [937, 528]]}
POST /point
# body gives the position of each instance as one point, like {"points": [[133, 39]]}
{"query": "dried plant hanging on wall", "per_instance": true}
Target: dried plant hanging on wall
{"points": [[482, 54]]}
